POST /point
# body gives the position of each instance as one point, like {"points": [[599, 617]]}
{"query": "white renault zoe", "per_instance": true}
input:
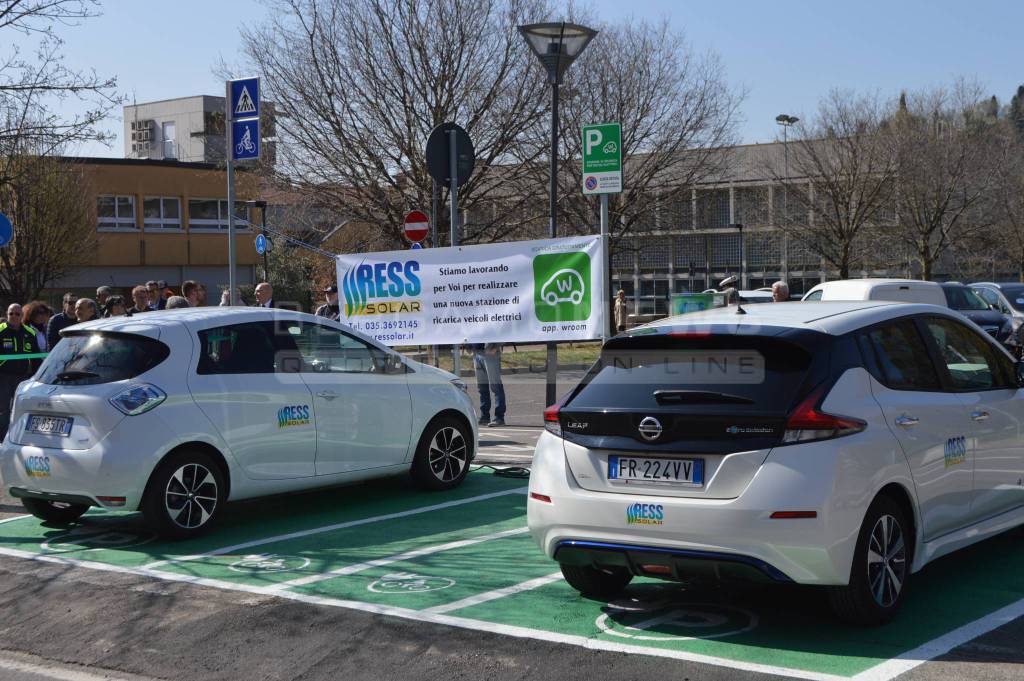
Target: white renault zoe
{"points": [[836, 444], [175, 413]]}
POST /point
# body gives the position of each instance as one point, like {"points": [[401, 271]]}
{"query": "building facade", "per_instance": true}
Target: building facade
{"points": [[162, 220], [688, 240], [188, 129]]}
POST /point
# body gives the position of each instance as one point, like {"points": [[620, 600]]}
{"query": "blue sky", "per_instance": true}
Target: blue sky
{"points": [[786, 54]]}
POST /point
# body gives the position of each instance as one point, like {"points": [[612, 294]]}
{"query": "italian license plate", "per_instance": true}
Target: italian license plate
{"points": [[49, 425], [647, 469]]}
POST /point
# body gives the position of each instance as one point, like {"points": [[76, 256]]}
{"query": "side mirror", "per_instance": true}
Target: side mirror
{"points": [[1019, 372], [993, 307]]}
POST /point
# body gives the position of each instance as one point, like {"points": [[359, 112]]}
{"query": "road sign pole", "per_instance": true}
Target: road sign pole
{"points": [[453, 158], [263, 230], [609, 326], [229, 138]]}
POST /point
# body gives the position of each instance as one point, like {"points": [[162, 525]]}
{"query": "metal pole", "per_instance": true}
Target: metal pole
{"points": [[453, 159], [433, 213], [552, 372], [433, 239], [785, 187], [263, 229], [609, 327], [229, 138]]}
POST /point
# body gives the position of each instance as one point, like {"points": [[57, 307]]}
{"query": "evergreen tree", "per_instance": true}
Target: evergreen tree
{"points": [[1016, 114]]}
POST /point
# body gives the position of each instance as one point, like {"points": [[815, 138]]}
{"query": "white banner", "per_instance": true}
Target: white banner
{"points": [[514, 292]]}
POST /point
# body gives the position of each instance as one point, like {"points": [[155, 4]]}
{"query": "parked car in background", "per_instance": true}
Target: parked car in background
{"points": [[896, 290], [1008, 298], [964, 300]]}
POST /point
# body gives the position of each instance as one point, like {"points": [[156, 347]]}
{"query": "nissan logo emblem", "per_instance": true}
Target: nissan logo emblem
{"points": [[650, 428]]}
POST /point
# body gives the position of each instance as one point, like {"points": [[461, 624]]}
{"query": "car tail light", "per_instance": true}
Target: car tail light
{"points": [[138, 399], [551, 422], [663, 570], [793, 515], [808, 423]]}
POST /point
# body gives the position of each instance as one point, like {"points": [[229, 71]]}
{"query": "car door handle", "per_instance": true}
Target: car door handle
{"points": [[905, 420], [327, 394], [979, 415]]}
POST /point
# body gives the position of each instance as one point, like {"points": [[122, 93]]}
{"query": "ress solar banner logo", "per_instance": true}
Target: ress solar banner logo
{"points": [[521, 291]]}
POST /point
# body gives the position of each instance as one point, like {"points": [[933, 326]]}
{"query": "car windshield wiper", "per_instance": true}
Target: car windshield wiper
{"points": [[75, 375], [700, 396]]}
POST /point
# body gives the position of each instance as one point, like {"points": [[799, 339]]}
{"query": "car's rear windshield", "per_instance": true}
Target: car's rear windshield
{"points": [[89, 358], [703, 374], [963, 298], [1015, 294]]}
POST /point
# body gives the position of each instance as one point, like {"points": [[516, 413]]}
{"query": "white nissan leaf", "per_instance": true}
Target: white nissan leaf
{"points": [[844, 445], [175, 413]]}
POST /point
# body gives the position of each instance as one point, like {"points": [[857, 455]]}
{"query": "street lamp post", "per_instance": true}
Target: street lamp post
{"points": [[785, 121], [743, 279], [556, 45]]}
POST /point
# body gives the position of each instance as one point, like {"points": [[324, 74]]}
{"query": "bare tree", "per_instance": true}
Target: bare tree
{"points": [[1009, 196], [841, 172], [677, 112], [359, 84], [946, 148], [32, 84], [49, 204]]}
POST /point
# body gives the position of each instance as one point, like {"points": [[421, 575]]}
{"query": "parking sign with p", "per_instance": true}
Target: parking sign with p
{"points": [[602, 159]]}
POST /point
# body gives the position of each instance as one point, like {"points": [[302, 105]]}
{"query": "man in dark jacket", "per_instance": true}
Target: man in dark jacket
{"points": [[330, 309], [61, 320], [141, 297], [15, 339]]}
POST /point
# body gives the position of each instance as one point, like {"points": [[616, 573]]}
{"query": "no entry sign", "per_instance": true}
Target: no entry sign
{"points": [[417, 224]]}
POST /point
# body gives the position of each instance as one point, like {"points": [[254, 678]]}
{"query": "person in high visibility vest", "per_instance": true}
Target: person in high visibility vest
{"points": [[16, 339]]}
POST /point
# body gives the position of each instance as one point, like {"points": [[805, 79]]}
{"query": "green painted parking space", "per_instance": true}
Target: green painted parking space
{"points": [[341, 549], [443, 578], [465, 558], [101, 536]]}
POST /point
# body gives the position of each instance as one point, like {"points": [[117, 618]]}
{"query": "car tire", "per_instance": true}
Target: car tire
{"points": [[600, 583], [443, 454], [184, 496], [881, 566], [56, 512]]}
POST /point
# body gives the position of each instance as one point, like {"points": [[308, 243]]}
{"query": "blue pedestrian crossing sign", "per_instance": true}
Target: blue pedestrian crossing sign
{"points": [[6, 231], [245, 140], [261, 244], [245, 98]]}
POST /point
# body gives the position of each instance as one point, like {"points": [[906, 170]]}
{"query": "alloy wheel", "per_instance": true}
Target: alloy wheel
{"points": [[191, 496], [887, 561], [448, 454]]}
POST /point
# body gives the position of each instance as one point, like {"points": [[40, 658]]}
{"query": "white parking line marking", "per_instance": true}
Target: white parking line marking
{"points": [[397, 558], [904, 662], [336, 526], [12, 519], [21, 664], [497, 593], [438, 618]]}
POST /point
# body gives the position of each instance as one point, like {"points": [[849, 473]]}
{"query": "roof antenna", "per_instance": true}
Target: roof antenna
{"points": [[725, 286]]}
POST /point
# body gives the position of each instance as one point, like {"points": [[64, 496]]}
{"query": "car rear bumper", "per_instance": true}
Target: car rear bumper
{"points": [[115, 468], [654, 561], [699, 535]]}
